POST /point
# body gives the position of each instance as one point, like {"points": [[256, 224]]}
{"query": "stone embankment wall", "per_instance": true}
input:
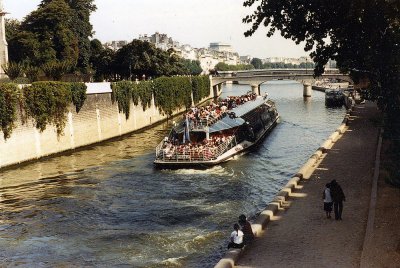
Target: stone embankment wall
{"points": [[97, 121]]}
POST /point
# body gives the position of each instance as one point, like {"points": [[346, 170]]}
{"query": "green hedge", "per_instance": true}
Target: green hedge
{"points": [[143, 91], [122, 94], [170, 93], [8, 108], [44, 102], [78, 92], [200, 88]]}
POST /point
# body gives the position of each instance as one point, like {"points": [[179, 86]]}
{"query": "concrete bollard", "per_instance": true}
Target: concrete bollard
{"points": [[317, 154], [262, 220], [307, 166], [324, 148], [334, 137], [341, 129], [292, 183], [225, 263], [285, 192]]}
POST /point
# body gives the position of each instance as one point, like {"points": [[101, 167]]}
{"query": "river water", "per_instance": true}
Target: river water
{"points": [[108, 207]]}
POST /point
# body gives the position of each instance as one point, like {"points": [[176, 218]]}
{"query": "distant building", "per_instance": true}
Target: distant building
{"points": [[294, 61], [208, 62], [187, 52], [218, 46], [208, 57], [161, 41], [116, 45], [245, 59]]}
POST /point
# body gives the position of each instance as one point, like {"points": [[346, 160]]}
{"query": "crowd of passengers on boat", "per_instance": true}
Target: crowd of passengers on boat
{"points": [[199, 117], [204, 150], [204, 116]]}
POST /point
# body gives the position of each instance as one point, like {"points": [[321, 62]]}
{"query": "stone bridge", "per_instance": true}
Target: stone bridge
{"points": [[255, 78]]}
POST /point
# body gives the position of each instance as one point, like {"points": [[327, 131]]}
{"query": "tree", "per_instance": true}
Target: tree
{"points": [[193, 66], [257, 63], [13, 70], [24, 47], [221, 66], [79, 24], [83, 29], [12, 27], [56, 69], [362, 36], [101, 60], [140, 58], [50, 26]]}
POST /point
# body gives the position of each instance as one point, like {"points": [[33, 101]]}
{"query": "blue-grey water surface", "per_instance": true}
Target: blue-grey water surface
{"points": [[108, 207]]}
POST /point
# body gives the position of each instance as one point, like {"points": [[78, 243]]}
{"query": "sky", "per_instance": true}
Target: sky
{"points": [[193, 22]]}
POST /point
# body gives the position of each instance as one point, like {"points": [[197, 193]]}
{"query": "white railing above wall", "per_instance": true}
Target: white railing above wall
{"points": [[98, 88]]}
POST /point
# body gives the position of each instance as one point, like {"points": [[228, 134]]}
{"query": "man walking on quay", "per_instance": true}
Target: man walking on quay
{"points": [[337, 198]]}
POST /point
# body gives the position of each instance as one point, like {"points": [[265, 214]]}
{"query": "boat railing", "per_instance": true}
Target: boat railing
{"points": [[270, 102], [222, 148], [201, 124], [207, 153], [159, 148]]}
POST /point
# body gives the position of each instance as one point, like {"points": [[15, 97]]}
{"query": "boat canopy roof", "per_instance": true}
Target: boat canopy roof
{"points": [[248, 106], [229, 120], [226, 123]]}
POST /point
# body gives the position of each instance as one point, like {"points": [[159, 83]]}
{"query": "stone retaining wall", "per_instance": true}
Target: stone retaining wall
{"points": [[97, 121]]}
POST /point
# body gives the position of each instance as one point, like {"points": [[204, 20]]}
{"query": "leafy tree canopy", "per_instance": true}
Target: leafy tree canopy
{"points": [[227, 67], [362, 36], [257, 63], [193, 66], [140, 58], [101, 60], [12, 28], [58, 30], [51, 25], [81, 27]]}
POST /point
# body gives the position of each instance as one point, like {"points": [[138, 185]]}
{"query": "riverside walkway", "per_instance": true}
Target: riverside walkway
{"points": [[299, 235]]}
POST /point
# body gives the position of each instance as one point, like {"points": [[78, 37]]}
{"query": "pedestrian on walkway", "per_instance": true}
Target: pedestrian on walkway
{"points": [[327, 200], [236, 237], [337, 197], [245, 225]]}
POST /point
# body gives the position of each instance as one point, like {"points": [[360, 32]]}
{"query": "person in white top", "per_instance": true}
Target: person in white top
{"points": [[327, 200], [236, 237]]}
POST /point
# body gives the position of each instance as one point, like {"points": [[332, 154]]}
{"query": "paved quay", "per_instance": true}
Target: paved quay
{"points": [[300, 235]]}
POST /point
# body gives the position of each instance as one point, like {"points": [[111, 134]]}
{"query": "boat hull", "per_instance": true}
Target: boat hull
{"points": [[240, 149]]}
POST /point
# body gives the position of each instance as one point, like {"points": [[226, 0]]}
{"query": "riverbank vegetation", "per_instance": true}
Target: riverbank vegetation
{"points": [[54, 40], [170, 93], [52, 43], [363, 38], [43, 102], [258, 64], [228, 67]]}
